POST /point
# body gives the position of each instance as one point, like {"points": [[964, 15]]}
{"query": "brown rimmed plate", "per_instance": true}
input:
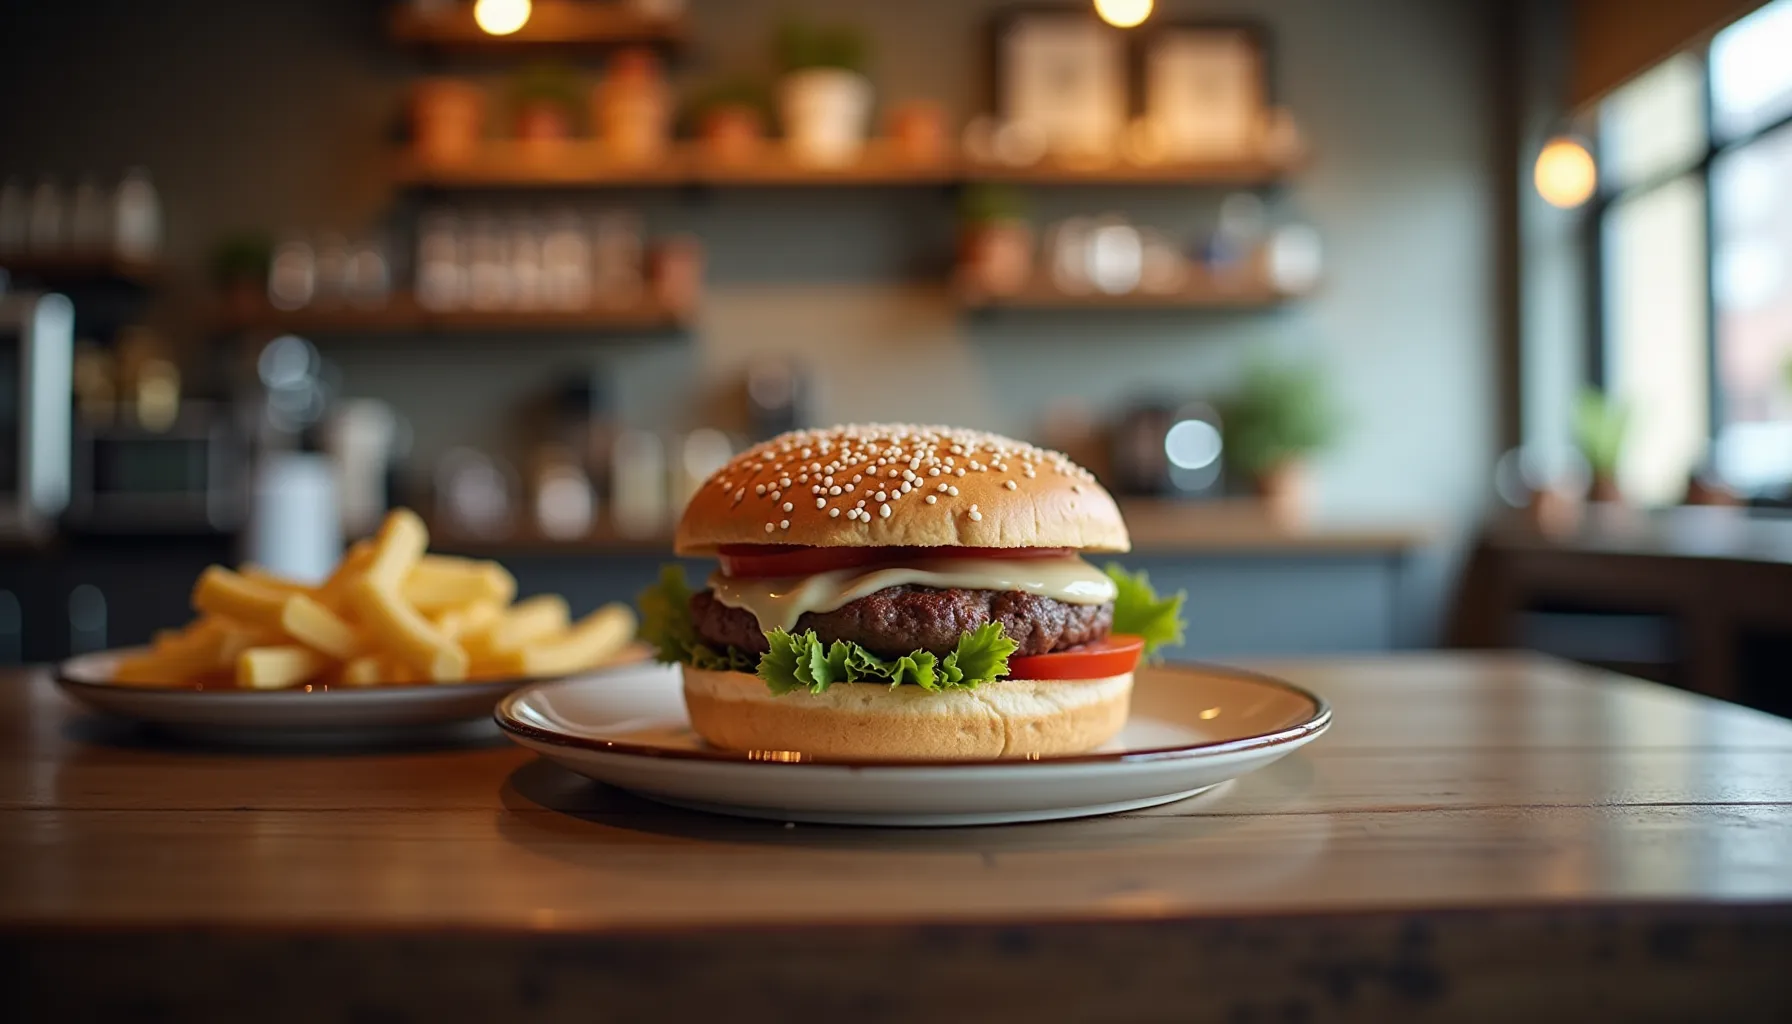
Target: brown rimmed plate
{"points": [[1192, 728], [303, 714]]}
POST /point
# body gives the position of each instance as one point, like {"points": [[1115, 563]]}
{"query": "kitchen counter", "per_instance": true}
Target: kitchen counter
{"points": [[1488, 837]]}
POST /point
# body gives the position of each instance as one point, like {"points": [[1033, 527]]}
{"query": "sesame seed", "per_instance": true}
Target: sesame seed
{"points": [[815, 489], [785, 482], [973, 506], [882, 495], [777, 494], [907, 487], [908, 474], [943, 487], [861, 502], [834, 491], [933, 471], [958, 472], [953, 491], [833, 513], [976, 516], [783, 524], [931, 498], [768, 527], [758, 488], [1008, 484], [787, 506], [821, 503], [884, 510]]}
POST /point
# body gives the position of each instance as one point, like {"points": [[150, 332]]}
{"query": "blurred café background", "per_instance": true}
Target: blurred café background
{"points": [[1394, 323]]}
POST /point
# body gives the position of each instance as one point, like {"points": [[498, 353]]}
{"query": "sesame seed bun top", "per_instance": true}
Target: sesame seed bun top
{"points": [[876, 485]]}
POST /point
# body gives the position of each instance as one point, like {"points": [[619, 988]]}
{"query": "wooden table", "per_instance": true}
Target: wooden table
{"points": [[1479, 837]]}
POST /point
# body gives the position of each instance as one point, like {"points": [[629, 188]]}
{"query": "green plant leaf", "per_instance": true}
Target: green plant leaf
{"points": [[1277, 414], [1138, 611], [801, 661], [1600, 427], [666, 624]]}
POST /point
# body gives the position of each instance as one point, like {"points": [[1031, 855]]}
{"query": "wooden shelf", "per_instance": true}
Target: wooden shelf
{"points": [[553, 24], [586, 163], [403, 315], [74, 267], [1200, 293], [1240, 172]]}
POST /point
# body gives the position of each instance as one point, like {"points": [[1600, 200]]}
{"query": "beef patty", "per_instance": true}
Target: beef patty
{"points": [[896, 620]]}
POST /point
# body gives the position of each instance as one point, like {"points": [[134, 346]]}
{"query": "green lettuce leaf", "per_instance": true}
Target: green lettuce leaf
{"points": [[800, 661], [666, 624], [1140, 612]]}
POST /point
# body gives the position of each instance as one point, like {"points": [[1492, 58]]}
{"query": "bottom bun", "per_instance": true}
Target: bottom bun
{"points": [[1007, 718]]}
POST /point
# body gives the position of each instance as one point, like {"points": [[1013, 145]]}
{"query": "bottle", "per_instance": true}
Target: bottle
{"points": [[90, 218], [137, 217]]}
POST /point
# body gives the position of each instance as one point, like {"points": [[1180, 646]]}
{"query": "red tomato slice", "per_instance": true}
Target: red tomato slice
{"points": [[1113, 656], [761, 561]]}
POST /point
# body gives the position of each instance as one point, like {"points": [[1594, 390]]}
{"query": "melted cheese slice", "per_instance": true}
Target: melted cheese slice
{"points": [[779, 603]]}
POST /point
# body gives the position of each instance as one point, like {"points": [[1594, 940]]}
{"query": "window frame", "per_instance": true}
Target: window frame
{"points": [[1607, 197]]}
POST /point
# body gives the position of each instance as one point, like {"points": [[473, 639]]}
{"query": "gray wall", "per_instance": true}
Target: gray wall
{"points": [[281, 115]]}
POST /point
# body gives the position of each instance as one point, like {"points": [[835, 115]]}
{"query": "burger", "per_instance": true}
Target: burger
{"points": [[905, 592]]}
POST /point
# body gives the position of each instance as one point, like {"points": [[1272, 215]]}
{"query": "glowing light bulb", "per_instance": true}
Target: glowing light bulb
{"points": [[1123, 13], [501, 17], [1565, 174]]}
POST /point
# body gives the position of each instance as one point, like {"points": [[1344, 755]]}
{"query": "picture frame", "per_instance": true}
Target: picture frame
{"points": [[1205, 89], [1064, 76]]}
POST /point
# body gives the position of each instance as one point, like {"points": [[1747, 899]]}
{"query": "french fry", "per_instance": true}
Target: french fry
{"points": [[222, 592], [440, 582], [365, 670], [471, 621], [319, 628], [274, 581], [407, 635], [333, 594], [388, 613], [275, 668], [397, 549], [596, 637], [536, 618]]}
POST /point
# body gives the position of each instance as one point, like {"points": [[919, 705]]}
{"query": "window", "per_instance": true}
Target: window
{"points": [[1695, 244]]}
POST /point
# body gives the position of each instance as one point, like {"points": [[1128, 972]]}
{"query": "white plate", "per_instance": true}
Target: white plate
{"points": [[1191, 728], [296, 715]]}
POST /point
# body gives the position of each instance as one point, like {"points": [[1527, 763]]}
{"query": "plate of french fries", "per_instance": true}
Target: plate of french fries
{"points": [[395, 637]]}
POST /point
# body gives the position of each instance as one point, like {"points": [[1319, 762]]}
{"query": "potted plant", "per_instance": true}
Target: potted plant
{"points": [[447, 119], [1600, 426], [728, 117], [824, 96], [1279, 417], [240, 271], [631, 108], [995, 241], [545, 100]]}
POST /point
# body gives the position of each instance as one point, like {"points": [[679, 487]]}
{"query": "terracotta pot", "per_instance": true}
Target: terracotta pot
{"points": [[826, 112], [1286, 491], [677, 273], [631, 108], [543, 125], [918, 132], [245, 298], [732, 134], [996, 257], [1605, 489], [447, 119]]}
